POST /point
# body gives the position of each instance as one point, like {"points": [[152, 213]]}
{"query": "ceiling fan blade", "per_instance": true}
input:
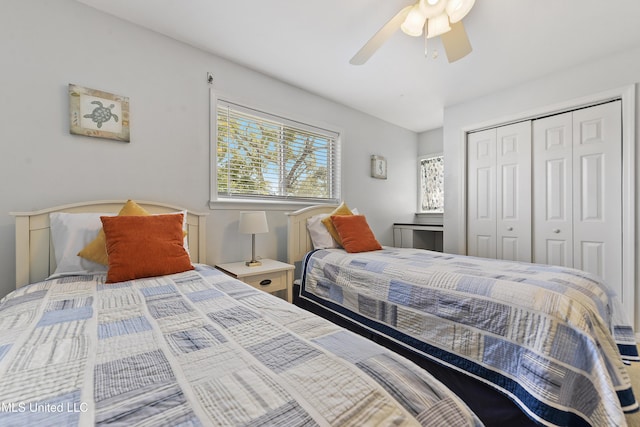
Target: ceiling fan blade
{"points": [[380, 37], [456, 43]]}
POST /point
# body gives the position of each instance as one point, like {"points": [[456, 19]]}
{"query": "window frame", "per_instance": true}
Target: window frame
{"points": [[238, 202], [420, 211]]}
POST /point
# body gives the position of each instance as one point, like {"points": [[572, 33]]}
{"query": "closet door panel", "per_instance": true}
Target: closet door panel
{"points": [[591, 188], [509, 248], [597, 152], [552, 190], [481, 214], [558, 252], [557, 190], [484, 246], [592, 257], [513, 192]]}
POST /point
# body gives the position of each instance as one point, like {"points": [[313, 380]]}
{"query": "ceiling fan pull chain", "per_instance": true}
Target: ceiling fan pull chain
{"points": [[434, 54], [426, 51]]}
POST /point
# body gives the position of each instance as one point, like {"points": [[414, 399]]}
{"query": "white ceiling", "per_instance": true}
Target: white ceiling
{"points": [[309, 44]]}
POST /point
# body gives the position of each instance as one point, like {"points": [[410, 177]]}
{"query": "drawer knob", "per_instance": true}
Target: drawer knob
{"points": [[265, 282]]}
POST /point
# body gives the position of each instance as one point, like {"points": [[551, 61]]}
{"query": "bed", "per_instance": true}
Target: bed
{"points": [[194, 347], [541, 336]]}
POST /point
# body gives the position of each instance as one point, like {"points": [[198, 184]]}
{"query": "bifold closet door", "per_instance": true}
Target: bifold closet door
{"points": [[578, 191], [553, 190], [513, 195], [499, 193], [481, 194]]}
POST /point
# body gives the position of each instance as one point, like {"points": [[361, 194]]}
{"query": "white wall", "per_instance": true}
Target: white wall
{"points": [[611, 72], [46, 45], [430, 142]]}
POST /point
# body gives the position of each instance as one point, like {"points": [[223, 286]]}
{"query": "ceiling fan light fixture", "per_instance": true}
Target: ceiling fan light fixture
{"points": [[414, 23], [432, 8], [438, 25], [458, 9], [430, 16]]}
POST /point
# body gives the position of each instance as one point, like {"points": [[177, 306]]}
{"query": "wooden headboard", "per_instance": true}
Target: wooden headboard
{"points": [[35, 260], [298, 239]]}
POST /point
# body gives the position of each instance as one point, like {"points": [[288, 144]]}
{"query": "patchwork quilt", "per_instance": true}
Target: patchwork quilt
{"points": [[198, 348], [553, 339]]}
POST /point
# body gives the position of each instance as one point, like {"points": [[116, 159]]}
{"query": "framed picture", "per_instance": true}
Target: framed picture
{"points": [[99, 114], [378, 167]]}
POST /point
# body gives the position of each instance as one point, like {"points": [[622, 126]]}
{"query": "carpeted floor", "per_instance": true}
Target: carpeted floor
{"points": [[634, 371]]}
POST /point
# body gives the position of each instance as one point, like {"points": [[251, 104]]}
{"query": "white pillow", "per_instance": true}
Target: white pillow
{"points": [[320, 236], [70, 232], [184, 227]]}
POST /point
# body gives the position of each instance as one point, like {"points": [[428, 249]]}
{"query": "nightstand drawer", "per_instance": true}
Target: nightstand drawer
{"points": [[268, 282]]}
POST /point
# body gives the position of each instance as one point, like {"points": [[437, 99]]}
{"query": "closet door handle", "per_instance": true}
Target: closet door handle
{"points": [[556, 230], [509, 228]]}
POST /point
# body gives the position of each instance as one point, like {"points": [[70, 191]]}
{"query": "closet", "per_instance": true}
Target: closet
{"points": [[549, 190]]}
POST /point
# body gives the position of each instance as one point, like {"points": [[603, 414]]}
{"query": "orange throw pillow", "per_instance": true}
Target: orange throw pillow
{"points": [[355, 233], [144, 246], [343, 209], [95, 251]]}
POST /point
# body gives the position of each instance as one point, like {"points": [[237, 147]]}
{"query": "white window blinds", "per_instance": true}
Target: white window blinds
{"points": [[262, 156]]}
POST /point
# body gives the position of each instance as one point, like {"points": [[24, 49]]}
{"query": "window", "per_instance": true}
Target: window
{"points": [[431, 198], [260, 156]]}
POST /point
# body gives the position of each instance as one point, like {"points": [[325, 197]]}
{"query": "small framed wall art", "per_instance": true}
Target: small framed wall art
{"points": [[378, 167], [99, 114]]}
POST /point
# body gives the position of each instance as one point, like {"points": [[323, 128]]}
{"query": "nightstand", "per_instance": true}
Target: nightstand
{"points": [[272, 276]]}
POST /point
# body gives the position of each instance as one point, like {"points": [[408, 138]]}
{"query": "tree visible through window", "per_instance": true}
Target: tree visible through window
{"points": [[263, 156], [432, 184]]}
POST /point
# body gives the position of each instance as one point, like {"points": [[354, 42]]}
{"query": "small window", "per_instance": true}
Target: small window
{"points": [[431, 197], [260, 156]]}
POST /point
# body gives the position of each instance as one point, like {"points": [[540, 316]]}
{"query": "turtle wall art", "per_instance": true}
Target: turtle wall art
{"points": [[99, 114]]}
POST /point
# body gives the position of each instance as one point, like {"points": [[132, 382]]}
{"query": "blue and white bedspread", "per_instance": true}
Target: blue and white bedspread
{"points": [[198, 348], [550, 338]]}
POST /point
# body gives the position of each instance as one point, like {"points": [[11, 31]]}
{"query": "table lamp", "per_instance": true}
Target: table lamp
{"points": [[253, 222]]}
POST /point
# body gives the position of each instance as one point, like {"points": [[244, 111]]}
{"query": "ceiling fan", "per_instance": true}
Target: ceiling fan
{"points": [[438, 17]]}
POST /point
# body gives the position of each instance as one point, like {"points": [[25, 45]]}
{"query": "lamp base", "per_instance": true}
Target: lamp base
{"points": [[253, 263]]}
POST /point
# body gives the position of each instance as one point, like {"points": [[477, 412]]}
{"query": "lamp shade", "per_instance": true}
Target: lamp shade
{"points": [[414, 23], [253, 222], [438, 25], [458, 9]]}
